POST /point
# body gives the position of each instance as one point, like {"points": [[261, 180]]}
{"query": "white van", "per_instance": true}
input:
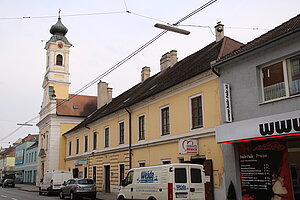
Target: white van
{"points": [[168, 182], [52, 181]]}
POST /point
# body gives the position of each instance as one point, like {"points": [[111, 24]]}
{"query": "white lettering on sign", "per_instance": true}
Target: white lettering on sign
{"points": [[188, 146], [227, 103]]}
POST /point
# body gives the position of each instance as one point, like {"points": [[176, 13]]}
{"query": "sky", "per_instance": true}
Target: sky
{"points": [[102, 34]]}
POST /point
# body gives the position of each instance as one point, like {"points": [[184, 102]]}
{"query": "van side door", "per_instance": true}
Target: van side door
{"points": [[196, 183]]}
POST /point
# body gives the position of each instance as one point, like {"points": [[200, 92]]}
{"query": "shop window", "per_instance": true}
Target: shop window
{"points": [[106, 137], [196, 112], [59, 60], [165, 121], [121, 132], [281, 79], [141, 127], [85, 171]]}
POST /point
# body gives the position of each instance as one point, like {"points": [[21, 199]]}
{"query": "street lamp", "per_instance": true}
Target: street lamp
{"points": [[172, 28]]}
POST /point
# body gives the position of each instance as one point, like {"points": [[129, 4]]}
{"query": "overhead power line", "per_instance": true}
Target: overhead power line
{"points": [[124, 60]]}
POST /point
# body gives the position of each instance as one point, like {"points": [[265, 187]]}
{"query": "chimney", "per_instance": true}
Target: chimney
{"points": [[168, 60], [104, 94], [145, 73], [219, 29]]}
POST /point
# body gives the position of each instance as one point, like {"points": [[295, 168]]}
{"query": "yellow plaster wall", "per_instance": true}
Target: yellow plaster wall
{"points": [[61, 91], [10, 161], [64, 127]]}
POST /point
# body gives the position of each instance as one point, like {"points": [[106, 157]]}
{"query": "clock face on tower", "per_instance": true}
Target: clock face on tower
{"points": [[60, 45]]}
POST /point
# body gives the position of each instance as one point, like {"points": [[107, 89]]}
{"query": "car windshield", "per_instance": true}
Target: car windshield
{"points": [[85, 181]]}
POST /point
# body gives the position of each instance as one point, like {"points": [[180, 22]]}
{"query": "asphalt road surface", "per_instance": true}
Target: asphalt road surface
{"points": [[16, 194]]}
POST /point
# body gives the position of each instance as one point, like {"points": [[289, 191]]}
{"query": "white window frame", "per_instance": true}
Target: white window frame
{"points": [[119, 131], [285, 77], [104, 137], [190, 111], [160, 120], [138, 127]]}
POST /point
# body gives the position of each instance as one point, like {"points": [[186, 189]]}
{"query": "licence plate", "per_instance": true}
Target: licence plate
{"points": [[181, 195]]}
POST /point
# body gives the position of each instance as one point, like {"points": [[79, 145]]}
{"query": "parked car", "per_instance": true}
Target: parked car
{"points": [[8, 182], [78, 188], [51, 183]]}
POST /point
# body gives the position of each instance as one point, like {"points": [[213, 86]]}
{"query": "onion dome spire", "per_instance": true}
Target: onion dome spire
{"points": [[58, 32], [58, 28]]}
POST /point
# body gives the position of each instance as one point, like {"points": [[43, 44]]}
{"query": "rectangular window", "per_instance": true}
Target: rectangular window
{"points": [[94, 173], [121, 173], [121, 132], [180, 175], [77, 146], [94, 140], [196, 111], [142, 164], [165, 162], [141, 127], [70, 148], [196, 175], [165, 121], [86, 143], [281, 79], [106, 137]]}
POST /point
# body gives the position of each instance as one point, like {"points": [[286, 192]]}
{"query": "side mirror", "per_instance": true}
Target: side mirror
{"points": [[123, 183], [65, 183]]}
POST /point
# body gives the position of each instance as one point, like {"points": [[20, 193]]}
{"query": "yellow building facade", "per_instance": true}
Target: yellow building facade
{"points": [[154, 122]]}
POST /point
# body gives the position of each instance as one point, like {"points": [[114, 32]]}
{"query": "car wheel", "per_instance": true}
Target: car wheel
{"points": [[120, 198], [40, 191], [48, 192], [61, 195], [72, 196]]}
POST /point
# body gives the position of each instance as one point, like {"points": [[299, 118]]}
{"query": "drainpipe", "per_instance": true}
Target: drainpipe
{"points": [[130, 135], [212, 64]]}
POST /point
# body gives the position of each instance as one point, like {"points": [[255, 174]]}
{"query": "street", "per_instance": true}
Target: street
{"points": [[16, 194]]}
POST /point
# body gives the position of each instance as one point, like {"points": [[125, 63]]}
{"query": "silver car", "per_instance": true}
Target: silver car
{"points": [[76, 188]]}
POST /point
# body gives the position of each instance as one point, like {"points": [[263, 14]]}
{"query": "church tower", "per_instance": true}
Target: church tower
{"points": [[56, 81], [60, 111]]}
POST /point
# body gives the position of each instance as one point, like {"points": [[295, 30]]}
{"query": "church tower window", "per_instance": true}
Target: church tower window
{"points": [[59, 60]]}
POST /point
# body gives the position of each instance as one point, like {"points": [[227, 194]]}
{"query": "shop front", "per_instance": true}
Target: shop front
{"points": [[267, 155]]}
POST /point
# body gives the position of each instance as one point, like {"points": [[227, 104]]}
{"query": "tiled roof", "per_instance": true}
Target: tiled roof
{"points": [[77, 106], [287, 28], [185, 69]]}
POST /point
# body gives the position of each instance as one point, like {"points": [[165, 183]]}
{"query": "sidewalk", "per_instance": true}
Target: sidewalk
{"points": [[100, 195]]}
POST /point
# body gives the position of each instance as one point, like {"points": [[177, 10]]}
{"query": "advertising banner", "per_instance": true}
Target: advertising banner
{"points": [[265, 172], [19, 158], [188, 146]]}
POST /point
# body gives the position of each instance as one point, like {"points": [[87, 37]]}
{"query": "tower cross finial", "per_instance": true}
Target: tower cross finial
{"points": [[59, 13]]}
